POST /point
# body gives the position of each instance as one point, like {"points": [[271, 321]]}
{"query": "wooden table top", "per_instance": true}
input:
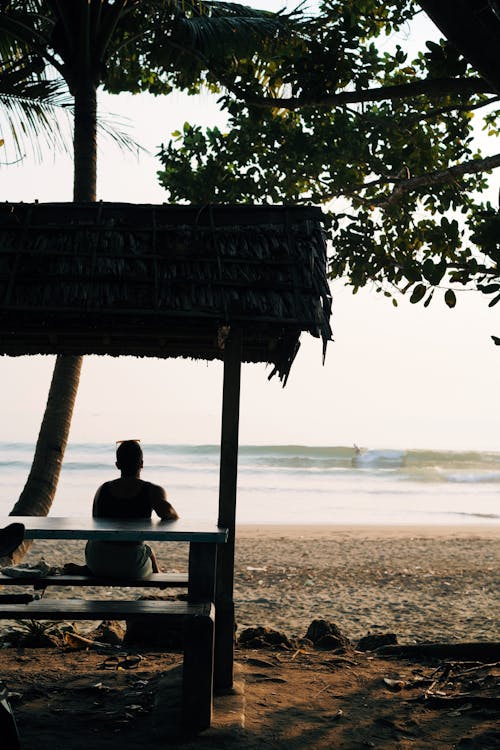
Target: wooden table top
{"points": [[84, 527]]}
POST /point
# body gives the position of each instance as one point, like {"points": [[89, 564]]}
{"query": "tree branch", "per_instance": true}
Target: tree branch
{"points": [[429, 87], [456, 108], [403, 186]]}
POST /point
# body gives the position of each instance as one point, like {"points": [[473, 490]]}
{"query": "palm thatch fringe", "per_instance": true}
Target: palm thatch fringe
{"points": [[114, 278]]}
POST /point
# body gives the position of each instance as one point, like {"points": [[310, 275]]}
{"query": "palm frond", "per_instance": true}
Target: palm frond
{"points": [[106, 24], [230, 25], [29, 120], [112, 127], [33, 110], [216, 26], [26, 29]]}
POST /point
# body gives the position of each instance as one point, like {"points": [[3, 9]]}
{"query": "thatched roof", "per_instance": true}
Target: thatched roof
{"points": [[161, 281]]}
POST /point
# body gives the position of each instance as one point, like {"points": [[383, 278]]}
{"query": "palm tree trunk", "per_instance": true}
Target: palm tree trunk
{"points": [[42, 481], [85, 143], [39, 490], [38, 493]]}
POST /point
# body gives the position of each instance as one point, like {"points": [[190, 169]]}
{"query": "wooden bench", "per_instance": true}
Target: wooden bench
{"points": [[155, 580], [196, 620], [196, 616]]}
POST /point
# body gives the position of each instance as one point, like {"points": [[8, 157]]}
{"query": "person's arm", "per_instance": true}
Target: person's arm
{"points": [[95, 505], [160, 504]]}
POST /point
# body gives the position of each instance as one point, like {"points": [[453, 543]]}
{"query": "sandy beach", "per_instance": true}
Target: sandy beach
{"points": [[421, 583]]}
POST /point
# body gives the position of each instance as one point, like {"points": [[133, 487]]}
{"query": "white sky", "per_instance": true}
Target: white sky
{"points": [[396, 378]]}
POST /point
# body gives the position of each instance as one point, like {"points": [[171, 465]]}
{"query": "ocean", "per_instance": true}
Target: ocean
{"points": [[286, 484]]}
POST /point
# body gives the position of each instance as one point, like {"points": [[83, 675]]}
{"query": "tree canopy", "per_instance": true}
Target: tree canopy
{"points": [[341, 112], [336, 106], [49, 49]]}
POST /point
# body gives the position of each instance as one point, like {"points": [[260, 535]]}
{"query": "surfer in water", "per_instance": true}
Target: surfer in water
{"points": [[357, 454]]}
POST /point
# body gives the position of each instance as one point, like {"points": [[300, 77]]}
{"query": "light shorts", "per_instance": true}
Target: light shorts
{"points": [[119, 559]]}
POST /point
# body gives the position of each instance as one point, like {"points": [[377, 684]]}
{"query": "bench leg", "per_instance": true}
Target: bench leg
{"points": [[198, 670]]}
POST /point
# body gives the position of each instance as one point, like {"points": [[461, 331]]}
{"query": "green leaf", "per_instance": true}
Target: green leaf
{"points": [[494, 301], [433, 272], [450, 298], [489, 288], [418, 293]]}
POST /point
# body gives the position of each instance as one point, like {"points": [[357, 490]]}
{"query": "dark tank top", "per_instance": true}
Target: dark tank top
{"points": [[109, 506]]}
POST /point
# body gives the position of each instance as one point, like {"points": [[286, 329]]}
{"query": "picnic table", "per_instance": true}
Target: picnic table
{"points": [[196, 615]]}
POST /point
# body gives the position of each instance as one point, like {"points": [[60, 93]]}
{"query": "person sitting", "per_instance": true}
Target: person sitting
{"points": [[127, 498]]}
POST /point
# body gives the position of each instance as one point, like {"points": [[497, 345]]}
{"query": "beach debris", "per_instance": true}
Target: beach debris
{"points": [[260, 677], [133, 709], [74, 642], [260, 663], [373, 641], [37, 633], [394, 684], [340, 662], [410, 729], [327, 635], [301, 651], [459, 711], [454, 685], [119, 662], [261, 637], [101, 687], [14, 696], [481, 651], [109, 632]]}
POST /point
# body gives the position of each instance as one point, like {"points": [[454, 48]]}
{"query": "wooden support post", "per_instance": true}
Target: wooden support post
{"points": [[201, 585], [224, 604]]}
